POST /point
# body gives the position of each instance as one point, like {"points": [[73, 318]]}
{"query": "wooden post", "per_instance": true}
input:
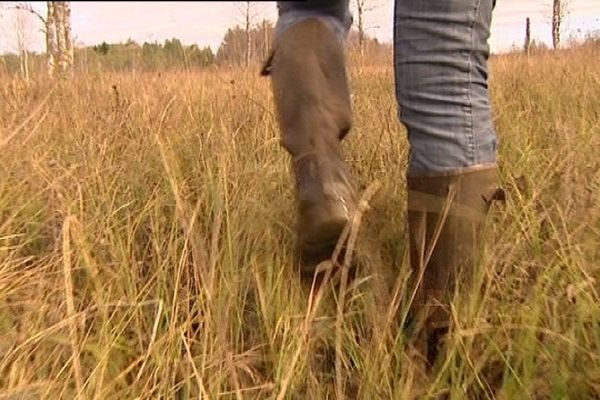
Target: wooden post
{"points": [[248, 34], [527, 36]]}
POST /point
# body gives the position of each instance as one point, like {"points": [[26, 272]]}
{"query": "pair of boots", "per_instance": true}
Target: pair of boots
{"points": [[445, 213]]}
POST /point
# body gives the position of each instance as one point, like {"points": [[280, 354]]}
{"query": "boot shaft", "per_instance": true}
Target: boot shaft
{"points": [[312, 99], [310, 89], [446, 215], [446, 221]]}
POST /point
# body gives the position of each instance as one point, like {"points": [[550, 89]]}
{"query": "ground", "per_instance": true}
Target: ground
{"points": [[146, 243]]}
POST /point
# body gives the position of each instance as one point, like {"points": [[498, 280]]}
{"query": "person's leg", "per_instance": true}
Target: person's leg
{"points": [[441, 53], [312, 100]]}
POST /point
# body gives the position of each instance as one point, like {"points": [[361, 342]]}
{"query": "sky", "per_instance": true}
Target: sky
{"points": [[205, 23]]}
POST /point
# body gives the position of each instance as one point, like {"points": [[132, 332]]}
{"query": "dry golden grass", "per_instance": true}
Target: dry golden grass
{"points": [[146, 243]]}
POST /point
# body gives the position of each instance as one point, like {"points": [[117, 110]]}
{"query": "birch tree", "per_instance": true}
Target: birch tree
{"points": [[559, 12], [363, 7], [61, 46], [51, 49], [57, 29], [249, 12], [68, 35], [23, 28], [556, 21]]}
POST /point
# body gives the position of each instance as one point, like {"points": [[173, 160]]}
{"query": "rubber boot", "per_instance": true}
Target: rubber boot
{"points": [[312, 100], [446, 216]]}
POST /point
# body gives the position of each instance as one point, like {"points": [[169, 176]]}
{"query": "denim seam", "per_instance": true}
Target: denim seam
{"points": [[470, 123]]}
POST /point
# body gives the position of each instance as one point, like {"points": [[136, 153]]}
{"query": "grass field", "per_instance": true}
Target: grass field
{"points": [[146, 243]]}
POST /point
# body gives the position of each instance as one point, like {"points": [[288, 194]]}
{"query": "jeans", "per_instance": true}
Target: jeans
{"points": [[339, 24], [440, 60]]}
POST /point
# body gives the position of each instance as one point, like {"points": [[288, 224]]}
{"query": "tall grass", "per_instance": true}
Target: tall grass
{"points": [[146, 243]]}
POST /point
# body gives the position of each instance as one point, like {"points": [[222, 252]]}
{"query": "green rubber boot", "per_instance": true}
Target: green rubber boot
{"points": [[312, 99], [446, 216]]}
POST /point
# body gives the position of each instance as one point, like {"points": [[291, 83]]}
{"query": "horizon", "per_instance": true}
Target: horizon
{"points": [[205, 23]]}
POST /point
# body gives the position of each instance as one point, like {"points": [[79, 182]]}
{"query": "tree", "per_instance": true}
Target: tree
{"points": [[200, 57], [68, 55], [362, 8], [51, 48], [556, 21], [249, 12], [559, 12], [102, 48], [23, 27], [64, 41], [233, 49], [57, 28]]}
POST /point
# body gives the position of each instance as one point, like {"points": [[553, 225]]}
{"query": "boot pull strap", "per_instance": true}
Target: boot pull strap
{"points": [[498, 194], [268, 64], [420, 201]]}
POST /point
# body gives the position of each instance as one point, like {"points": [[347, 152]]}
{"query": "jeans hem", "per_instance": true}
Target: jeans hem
{"points": [[290, 18]]}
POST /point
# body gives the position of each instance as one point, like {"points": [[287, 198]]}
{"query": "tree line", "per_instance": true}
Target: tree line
{"points": [[172, 53], [245, 44]]}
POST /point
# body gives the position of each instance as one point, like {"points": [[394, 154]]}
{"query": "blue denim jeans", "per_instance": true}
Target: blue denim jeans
{"points": [[340, 24], [440, 59]]}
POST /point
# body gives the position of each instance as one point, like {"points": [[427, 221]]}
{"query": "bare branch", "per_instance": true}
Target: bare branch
{"points": [[249, 11], [362, 8], [244, 9], [27, 7]]}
